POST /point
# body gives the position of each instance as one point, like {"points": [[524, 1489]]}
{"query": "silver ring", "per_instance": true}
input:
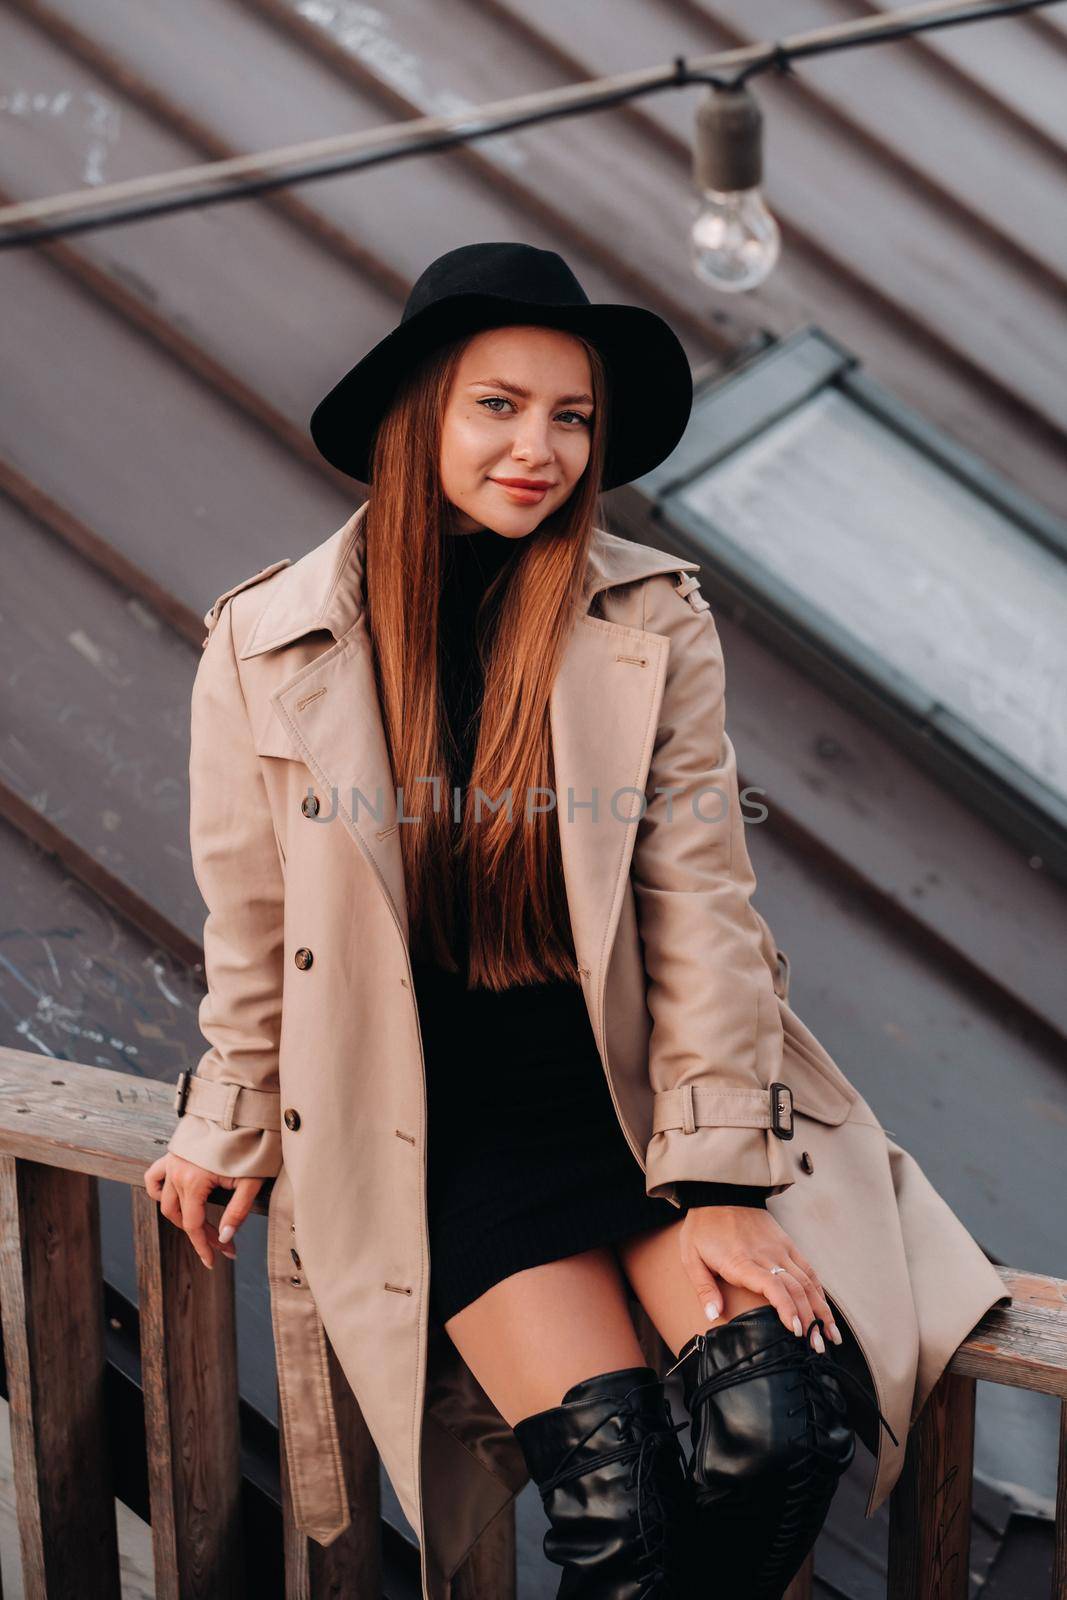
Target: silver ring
{"points": [[775, 1270]]}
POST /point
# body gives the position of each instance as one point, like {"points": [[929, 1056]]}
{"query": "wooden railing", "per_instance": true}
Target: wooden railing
{"points": [[62, 1127]]}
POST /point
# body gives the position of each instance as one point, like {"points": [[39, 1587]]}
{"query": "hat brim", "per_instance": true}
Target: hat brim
{"points": [[649, 379]]}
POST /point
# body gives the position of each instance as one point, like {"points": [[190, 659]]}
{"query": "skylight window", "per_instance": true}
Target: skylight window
{"points": [[816, 495]]}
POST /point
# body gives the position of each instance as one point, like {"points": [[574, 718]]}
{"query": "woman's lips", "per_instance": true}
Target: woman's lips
{"points": [[525, 496]]}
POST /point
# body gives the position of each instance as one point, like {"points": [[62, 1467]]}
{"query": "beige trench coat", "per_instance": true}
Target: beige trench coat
{"points": [[314, 1075]]}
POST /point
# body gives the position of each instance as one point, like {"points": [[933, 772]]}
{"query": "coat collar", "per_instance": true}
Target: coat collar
{"points": [[324, 589]]}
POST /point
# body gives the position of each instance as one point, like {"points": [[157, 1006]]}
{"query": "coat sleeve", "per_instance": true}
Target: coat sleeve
{"points": [[717, 1040], [231, 1119]]}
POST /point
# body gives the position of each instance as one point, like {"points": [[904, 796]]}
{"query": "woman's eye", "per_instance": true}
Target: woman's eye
{"points": [[492, 399]]}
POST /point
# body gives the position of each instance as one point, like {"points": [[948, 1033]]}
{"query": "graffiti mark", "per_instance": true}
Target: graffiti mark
{"points": [[363, 31], [99, 116]]}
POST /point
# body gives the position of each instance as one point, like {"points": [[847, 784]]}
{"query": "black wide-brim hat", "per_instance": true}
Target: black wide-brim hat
{"points": [[477, 286]]}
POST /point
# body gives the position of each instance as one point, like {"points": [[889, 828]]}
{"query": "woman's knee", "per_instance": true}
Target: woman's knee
{"points": [[763, 1407], [652, 1263]]}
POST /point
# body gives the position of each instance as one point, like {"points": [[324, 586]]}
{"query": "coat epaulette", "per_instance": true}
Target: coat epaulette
{"points": [[211, 616], [688, 585]]}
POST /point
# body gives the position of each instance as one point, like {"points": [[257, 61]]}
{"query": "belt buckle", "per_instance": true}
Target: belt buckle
{"points": [[781, 1110], [182, 1092]]}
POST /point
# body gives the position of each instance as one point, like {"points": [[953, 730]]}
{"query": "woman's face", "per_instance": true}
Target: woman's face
{"points": [[520, 407]]}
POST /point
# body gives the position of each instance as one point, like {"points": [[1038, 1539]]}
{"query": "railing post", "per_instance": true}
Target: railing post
{"points": [[189, 1377], [930, 1508], [1059, 1560], [490, 1569], [801, 1586], [51, 1296]]}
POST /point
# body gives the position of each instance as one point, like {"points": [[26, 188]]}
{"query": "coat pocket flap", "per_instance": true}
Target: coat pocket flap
{"points": [[818, 1091]]}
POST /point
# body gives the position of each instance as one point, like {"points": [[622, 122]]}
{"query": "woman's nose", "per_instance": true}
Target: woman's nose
{"points": [[532, 442]]}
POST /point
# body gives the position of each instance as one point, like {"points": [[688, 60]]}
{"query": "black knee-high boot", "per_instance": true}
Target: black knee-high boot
{"points": [[611, 1471], [770, 1442]]}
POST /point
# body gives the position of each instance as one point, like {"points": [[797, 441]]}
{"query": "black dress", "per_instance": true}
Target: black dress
{"points": [[527, 1161]]}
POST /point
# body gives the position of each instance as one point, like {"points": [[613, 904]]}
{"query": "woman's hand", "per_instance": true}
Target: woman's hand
{"points": [[739, 1245], [182, 1188]]}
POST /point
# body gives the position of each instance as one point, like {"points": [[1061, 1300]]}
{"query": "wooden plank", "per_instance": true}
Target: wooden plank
{"points": [[53, 1323], [1059, 1557], [1024, 1344], [85, 1118], [189, 1377], [352, 1564], [930, 1508]]}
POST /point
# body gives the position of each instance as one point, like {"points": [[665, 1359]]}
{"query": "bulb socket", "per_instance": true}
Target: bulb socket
{"points": [[728, 148]]}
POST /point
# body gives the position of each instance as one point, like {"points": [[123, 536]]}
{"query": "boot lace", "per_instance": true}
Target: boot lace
{"points": [[654, 1506], [813, 1473], [811, 1368]]}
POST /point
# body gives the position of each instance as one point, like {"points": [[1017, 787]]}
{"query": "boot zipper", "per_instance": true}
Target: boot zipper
{"points": [[699, 1341]]}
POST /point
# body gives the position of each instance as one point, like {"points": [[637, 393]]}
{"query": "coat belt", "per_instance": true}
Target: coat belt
{"points": [[696, 1105], [231, 1104], [308, 1417]]}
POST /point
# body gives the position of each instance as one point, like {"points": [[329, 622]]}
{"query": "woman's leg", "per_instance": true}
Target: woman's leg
{"points": [[769, 1432], [555, 1349], [534, 1334]]}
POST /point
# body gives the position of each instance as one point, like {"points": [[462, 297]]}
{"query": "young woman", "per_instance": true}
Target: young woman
{"points": [[536, 967]]}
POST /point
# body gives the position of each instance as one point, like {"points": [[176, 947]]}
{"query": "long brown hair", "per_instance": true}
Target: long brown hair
{"points": [[519, 925]]}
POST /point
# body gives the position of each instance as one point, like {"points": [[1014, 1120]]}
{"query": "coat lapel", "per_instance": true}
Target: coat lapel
{"points": [[603, 713], [332, 713]]}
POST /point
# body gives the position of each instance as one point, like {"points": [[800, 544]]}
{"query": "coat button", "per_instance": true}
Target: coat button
{"points": [[310, 805], [806, 1162], [296, 1258], [303, 958], [291, 1118]]}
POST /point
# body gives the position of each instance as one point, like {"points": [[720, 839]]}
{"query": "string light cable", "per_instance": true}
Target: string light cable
{"points": [[726, 73]]}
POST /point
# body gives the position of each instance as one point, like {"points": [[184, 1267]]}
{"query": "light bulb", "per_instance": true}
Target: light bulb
{"points": [[734, 239]]}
